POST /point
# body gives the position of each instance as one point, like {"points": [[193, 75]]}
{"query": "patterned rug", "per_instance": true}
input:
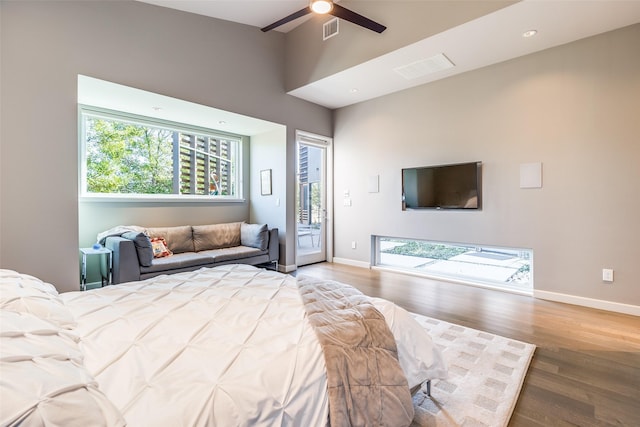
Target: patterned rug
{"points": [[486, 373]]}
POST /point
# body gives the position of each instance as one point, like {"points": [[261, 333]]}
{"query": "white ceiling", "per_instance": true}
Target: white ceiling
{"points": [[487, 40]]}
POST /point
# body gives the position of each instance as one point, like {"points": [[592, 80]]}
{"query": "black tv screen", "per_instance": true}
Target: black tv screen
{"points": [[457, 186]]}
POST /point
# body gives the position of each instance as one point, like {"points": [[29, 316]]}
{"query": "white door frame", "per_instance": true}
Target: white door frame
{"points": [[326, 143]]}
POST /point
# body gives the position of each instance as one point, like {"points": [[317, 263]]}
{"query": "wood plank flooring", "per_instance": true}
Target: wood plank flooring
{"points": [[586, 367]]}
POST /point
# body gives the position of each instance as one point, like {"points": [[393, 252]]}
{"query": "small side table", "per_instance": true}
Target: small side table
{"points": [[91, 251]]}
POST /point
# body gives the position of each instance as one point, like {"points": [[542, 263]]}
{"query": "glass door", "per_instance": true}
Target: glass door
{"points": [[311, 201]]}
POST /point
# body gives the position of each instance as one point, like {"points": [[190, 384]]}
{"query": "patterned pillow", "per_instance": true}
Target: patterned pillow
{"points": [[160, 247]]}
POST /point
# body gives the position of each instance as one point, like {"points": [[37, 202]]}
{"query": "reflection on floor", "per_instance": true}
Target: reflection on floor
{"points": [[308, 240]]}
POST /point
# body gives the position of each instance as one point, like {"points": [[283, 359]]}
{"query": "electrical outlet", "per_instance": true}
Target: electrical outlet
{"points": [[607, 275], [353, 244]]}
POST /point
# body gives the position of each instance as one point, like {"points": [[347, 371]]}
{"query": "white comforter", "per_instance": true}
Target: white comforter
{"points": [[227, 346], [231, 343]]}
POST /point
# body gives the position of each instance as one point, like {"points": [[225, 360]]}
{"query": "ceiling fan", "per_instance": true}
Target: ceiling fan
{"points": [[328, 6]]}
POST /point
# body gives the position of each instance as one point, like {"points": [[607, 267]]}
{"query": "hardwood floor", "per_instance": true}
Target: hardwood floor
{"points": [[586, 367]]}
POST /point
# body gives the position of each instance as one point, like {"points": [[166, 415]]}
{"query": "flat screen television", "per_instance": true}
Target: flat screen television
{"points": [[456, 186]]}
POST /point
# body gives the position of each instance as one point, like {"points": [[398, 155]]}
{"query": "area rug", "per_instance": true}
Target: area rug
{"points": [[486, 372]]}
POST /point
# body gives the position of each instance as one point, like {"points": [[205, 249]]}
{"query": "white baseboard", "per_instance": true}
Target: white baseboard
{"points": [[617, 307], [351, 262], [283, 268]]}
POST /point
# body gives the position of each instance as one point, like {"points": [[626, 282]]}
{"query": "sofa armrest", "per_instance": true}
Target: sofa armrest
{"points": [[274, 245], [126, 266]]}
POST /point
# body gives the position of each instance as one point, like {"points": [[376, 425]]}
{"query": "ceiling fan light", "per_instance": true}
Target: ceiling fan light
{"points": [[321, 6]]}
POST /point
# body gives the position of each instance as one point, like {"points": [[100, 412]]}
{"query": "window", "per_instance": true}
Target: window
{"points": [[133, 155], [502, 268]]}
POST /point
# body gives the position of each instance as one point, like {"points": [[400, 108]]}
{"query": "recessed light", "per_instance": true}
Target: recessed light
{"points": [[353, 90], [156, 108], [530, 33], [222, 122]]}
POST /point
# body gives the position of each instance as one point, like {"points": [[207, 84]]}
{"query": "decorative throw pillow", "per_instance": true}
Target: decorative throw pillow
{"points": [[254, 235], [160, 247], [143, 247]]}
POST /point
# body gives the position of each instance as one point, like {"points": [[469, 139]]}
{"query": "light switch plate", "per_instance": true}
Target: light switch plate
{"points": [[373, 185]]}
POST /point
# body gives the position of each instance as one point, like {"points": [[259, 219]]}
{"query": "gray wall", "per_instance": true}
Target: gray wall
{"points": [[45, 45], [268, 151], [575, 108]]}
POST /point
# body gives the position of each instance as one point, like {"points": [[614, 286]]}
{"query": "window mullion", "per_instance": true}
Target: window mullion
{"points": [[207, 166], [194, 164], [176, 163], [216, 145]]}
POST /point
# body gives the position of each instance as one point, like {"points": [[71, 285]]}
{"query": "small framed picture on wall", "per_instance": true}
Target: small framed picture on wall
{"points": [[265, 182]]}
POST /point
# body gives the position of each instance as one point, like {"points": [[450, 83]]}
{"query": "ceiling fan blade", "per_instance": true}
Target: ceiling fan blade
{"points": [[348, 15], [295, 15]]}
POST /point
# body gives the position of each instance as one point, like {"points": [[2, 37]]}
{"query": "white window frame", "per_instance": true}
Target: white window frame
{"points": [[93, 111], [474, 280]]}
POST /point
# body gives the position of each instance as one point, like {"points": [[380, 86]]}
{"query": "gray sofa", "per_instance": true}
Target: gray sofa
{"points": [[190, 248]]}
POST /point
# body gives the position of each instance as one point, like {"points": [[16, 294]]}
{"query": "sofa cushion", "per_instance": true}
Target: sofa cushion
{"points": [[177, 261], [216, 236], [254, 235], [143, 246], [234, 253], [179, 239]]}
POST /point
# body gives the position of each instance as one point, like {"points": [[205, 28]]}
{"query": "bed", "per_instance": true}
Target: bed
{"points": [[233, 345]]}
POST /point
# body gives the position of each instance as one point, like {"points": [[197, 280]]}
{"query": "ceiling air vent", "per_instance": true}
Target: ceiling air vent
{"points": [[423, 67], [330, 29]]}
